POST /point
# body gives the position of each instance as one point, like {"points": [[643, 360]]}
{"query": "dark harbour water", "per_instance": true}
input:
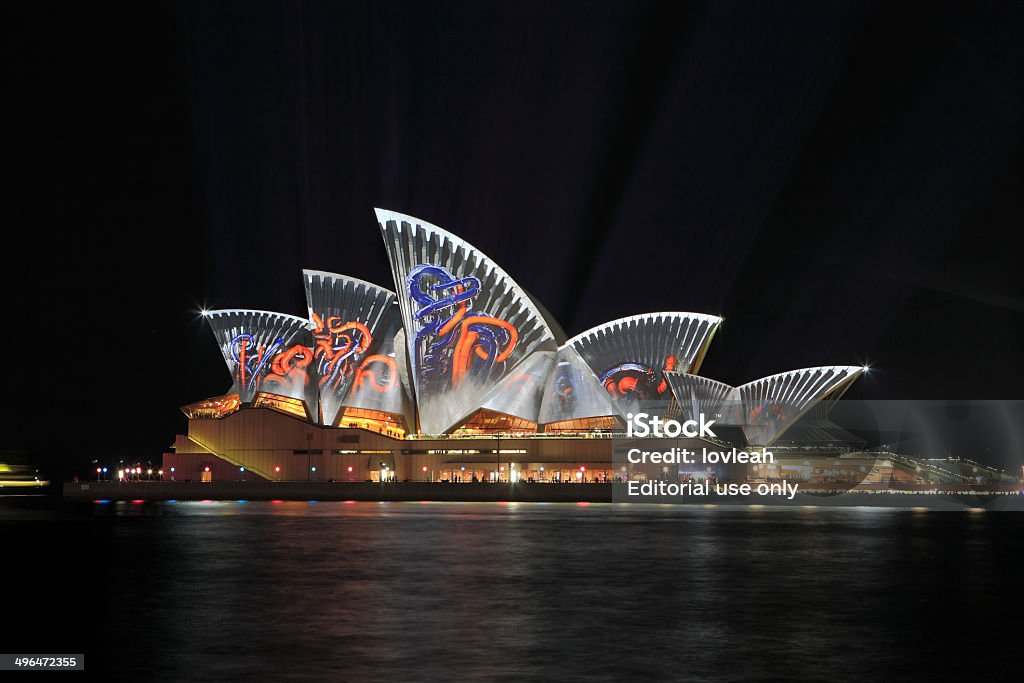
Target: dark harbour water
{"points": [[513, 592]]}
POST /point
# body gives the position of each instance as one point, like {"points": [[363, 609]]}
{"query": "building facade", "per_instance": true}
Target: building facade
{"points": [[458, 374]]}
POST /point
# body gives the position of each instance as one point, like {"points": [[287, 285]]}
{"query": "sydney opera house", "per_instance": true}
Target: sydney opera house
{"points": [[460, 375]]}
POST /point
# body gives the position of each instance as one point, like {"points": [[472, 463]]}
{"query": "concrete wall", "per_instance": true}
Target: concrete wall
{"points": [[192, 466], [264, 440]]}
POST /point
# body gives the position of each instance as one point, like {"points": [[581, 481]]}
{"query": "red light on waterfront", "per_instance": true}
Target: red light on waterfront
{"points": [[277, 468], [424, 468], [138, 501], [275, 502], [98, 470], [206, 469], [582, 468], [350, 468]]}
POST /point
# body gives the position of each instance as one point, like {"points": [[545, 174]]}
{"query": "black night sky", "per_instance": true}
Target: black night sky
{"points": [[842, 182]]}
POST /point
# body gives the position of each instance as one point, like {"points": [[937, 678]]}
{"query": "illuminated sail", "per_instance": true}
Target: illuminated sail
{"points": [[630, 356], [354, 326], [573, 392], [772, 404], [519, 394], [267, 352], [468, 325], [695, 395]]}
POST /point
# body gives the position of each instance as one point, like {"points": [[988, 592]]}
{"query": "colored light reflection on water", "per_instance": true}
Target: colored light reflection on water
{"points": [[570, 559]]}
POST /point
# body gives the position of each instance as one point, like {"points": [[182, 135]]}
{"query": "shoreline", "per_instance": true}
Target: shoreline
{"points": [[518, 492]]}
